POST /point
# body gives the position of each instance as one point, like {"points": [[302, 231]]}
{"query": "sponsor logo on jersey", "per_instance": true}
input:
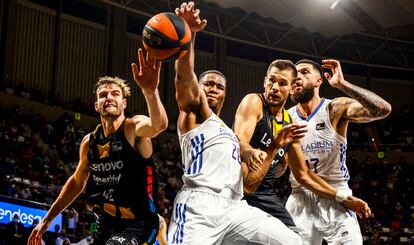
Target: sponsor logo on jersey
{"points": [[318, 146], [264, 141], [109, 180], [104, 150], [118, 239], [107, 166], [320, 126], [116, 146], [225, 132]]}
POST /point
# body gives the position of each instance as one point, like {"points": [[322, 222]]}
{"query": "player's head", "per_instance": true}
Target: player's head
{"points": [[308, 82], [214, 83], [280, 76], [111, 94]]}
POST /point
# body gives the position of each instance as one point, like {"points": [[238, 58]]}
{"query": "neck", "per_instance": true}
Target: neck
{"points": [[308, 107], [110, 126]]}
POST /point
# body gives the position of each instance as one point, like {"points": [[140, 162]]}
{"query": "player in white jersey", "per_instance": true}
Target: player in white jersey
{"points": [[324, 148], [209, 209]]}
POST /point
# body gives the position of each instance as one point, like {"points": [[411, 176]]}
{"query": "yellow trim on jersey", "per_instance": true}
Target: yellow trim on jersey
{"points": [[277, 126], [126, 213]]}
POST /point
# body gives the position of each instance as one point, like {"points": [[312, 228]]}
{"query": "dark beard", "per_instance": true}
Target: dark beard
{"points": [[304, 96]]}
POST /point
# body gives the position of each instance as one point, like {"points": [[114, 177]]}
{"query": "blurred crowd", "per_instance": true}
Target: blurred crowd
{"points": [[37, 156]]}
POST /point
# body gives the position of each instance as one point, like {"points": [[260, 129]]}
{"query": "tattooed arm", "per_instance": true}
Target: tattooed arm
{"points": [[363, 106]]}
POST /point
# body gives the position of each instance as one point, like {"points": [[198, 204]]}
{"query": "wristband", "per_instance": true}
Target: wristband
{"points": [[341, 195]]}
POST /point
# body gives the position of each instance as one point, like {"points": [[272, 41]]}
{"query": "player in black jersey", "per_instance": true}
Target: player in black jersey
{"points": [[116, 162], [258, 124]]}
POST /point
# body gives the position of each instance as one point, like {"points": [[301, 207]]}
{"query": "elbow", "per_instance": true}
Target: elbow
{"points": [[302, 178], [383, 111], [386, 110], [161, 126]]}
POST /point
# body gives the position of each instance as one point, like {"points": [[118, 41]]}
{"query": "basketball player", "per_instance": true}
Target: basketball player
{"points": [[258, 118], [208, 209], [324, 148], [116, 162]]}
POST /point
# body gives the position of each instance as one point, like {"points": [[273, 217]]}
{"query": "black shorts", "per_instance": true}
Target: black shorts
{"points": [[272, 205], [111, 231]]}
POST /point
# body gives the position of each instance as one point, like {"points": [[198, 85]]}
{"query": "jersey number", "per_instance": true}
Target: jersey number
{"points": [[236, 154], [313, 163], [108, 195]]}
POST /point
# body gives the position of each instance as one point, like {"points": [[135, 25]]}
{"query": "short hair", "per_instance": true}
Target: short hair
{"points": [[315, 66], [126, 90], [283, 65], [211, 71]]}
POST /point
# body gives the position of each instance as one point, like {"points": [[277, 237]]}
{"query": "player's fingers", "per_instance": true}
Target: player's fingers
{"points": [[263, 155], [190, 6], [134, 69], [158, 65], [141, 59], [328, 66], [177, 11], [367, 211], [183, 7], [196, 13], [203, 23], [300, 131]]}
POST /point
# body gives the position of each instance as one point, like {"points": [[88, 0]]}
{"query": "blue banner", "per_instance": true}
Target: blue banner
{"points": [[26, 215]]}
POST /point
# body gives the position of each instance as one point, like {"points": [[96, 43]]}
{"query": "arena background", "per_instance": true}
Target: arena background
{"points": [[52, 52]]}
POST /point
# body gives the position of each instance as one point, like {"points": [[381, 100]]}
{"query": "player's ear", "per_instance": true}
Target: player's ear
{"points": [[124, 103], [96, 106]]}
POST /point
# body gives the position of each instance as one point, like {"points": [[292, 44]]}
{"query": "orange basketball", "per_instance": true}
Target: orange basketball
{"points": [[166, 36]]}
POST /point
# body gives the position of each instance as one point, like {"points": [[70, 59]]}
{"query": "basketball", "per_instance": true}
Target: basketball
{"points": [[166, 36]]}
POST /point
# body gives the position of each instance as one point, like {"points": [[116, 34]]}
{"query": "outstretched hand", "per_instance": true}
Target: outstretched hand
{"points": [[359, 206], [191, 16], [148, 75], [35, 237], [288, 134]]}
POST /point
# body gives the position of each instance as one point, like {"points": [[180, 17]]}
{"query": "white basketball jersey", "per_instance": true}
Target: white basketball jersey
{"points": [[323, 148], [211, 157]]}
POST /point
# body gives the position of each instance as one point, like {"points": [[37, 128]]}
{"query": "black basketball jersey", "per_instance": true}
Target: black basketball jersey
{"points": [[263, 135], [121, 181]]}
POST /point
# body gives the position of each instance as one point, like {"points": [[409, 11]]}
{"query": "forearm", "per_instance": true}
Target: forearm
{"points": [[254, 178], [376, 106], [314, 183], [157, 113], [187, 90], [67, 195]]}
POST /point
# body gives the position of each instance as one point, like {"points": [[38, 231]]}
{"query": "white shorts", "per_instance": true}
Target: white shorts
{"points": [[320, 218], [204, 218]]}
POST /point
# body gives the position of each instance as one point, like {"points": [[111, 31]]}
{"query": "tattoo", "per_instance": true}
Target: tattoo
{"points": [[373, 106]]}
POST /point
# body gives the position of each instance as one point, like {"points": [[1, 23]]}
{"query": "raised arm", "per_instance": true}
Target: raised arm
{"points": [[147, 78], [186, 82], [316, 184], [72, 188], [363, 106]]}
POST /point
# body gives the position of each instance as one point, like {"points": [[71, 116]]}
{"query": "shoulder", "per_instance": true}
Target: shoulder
{"points": [[86, 139], [84, 146], [251, 101], [136, 119]]}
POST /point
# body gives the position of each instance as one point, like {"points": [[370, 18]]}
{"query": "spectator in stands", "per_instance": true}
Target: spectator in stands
{"points": [[15, 231]]}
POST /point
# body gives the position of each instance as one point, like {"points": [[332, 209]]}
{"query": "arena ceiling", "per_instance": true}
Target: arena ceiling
{"points": [[377, 33]]}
